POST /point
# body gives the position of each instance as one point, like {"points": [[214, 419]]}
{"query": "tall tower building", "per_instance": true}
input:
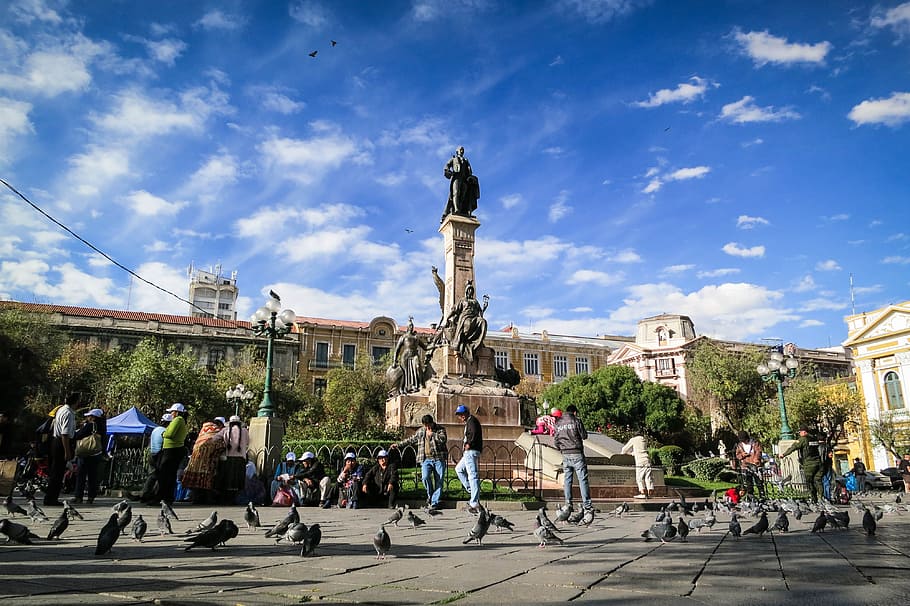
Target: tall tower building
{"points": [[213, 292]]}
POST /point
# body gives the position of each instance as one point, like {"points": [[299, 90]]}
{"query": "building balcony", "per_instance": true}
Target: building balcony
{"points": [[664, 373], [328, 364]]}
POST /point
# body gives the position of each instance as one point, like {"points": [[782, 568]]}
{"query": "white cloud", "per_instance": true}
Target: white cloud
{"points": [[735, 250], [677, 269], [148, 205], [276, 101], [837, 217], [525, 253], [49, 73], [827, 265], [433, 10], [745, 110], [695, 172], [391, 179], [805, 284], [683, 93], [309, 13], [27, 11], [96, 168], [146, 298], [764, 48], [747, 222], [157, 246], [602, 11], [717, 273], [756, 141], [511, 200], [822, 304], [136, 115], [892, 111], [626, 256], [598, 278], [896, 260], [166, 51], [267, 219], [308, 160], [13, 122], [810, 323], [897, 18], [217, 172], [653, 185], [218, 20], [558, 60], [560, 207], [581, 310]]}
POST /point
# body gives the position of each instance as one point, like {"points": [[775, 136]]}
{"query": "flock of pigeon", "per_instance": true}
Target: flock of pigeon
{"points": [[212, 532]]}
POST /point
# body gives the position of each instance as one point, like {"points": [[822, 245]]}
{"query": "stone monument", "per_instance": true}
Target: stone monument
{"points": [[434, 375]]}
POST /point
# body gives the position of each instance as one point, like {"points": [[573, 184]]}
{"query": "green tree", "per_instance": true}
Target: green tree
{"points": [[726, 381], [84, 368], [28, 346], [892, 437]]}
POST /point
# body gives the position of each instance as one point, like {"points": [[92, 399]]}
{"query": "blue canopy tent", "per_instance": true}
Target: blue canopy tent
{"points": [[130, 422], [129, 465]]}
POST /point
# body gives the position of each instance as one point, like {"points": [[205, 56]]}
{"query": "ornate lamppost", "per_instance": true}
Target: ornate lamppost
{"points": [[237, 395], [778, 369], [268, 322]]}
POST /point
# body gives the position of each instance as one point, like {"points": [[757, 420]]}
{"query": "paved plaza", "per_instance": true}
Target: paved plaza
{"points": [[605, 563]]}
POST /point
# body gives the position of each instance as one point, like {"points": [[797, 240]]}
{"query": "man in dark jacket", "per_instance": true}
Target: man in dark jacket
{"points": [[569, 439], [467, 469], [312, 481], [431, 442], [381, 482], [811, 461]]}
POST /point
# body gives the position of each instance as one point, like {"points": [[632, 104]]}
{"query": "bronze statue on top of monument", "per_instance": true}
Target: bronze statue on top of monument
{"points": [[464, 188]]}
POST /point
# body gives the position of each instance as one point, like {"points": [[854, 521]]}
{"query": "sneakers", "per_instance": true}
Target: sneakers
{"points": [[640, 496], [472, 510]]}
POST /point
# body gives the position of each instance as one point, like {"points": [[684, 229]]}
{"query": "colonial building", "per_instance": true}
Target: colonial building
{"points": [[880, 342], [209, 340]]}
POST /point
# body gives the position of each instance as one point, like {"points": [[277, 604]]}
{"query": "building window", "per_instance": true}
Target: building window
{"points": [[666, 367], [893, 391], [348, 352], [224, 306], [560, 367], [581, 366], [319, 386], [322, 355], [380, 352], [215, 356], [502, 360], [532, 365]]}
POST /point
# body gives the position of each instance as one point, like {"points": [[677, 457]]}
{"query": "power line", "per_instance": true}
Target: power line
{"points": [[101, 252]]}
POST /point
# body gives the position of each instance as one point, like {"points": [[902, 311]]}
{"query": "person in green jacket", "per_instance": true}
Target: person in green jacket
{"points": [[173, 452], [811, 461]]}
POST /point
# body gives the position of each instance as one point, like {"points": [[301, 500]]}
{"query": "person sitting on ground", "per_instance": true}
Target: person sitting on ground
{"points": [[313, 486], [286, 468], [349, 482], [380, 484]]}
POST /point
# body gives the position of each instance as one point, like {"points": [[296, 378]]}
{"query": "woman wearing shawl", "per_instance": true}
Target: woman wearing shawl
{"points": [[199, 476]]}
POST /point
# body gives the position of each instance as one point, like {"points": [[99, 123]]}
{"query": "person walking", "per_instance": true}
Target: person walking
{"points": [[62, 448], [90, 440], [432, 450], [859, 473], [638, 448], [569, 439], [173, 452], [810, 459], [904, 468], [467, 468]]}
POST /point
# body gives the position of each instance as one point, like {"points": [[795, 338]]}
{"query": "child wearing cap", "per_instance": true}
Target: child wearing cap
{"points": [[349, 481], [94, 430], [283, 473]]}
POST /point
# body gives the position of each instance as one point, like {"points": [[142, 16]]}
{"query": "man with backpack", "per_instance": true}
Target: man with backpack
{"points": [[810, 459]]}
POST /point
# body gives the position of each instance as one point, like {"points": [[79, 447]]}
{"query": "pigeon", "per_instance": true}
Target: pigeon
{"points": [[897, 499], [212, 537], [311, 541], [839, 519], [59, 525], [207, 524], [36, 513], [396, 517], [432, 511], [782, 523], [481, 526], [251, 516], [500, 522], [140, 527], [294, 534], [735, 528], [120, 506], [168, 511], [14, 508], [682, 529], [697, 524], [314, 53], [71, 511], [414, 520], [820, 522], [545, 535], [545, 521], [621, 509], [293, 515], [124, 518], [684, 507], [281, 526], [164, 524], [17, 533], [760, 527], [109, 534], [576, 517], [869, 523], [382, 542], [334, 43], [661, 514], [587, 517], [663, 531], [563, 512]]}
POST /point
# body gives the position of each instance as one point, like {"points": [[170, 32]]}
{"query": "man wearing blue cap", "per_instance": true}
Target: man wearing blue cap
{"points": [[467, 466]]}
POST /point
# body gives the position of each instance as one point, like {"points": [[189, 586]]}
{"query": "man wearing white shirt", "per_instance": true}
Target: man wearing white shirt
{"points": [[62, 448]]}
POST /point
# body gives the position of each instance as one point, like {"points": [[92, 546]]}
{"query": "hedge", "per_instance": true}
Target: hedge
{"points": [[671, 458], [705, 469]]}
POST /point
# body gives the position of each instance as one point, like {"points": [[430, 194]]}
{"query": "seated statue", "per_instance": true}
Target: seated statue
{"points": [[465, 326]]}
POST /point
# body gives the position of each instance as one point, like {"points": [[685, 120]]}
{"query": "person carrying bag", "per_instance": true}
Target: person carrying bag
{"points": [[89, 450]]}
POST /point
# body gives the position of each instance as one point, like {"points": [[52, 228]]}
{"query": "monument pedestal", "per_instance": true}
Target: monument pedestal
{"points": [[266, 436]]}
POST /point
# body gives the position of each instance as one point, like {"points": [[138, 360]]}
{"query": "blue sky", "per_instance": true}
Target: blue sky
{"points": [[732, 161]]}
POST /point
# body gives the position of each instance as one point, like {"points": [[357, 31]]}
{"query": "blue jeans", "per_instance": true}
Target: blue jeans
{"points": [[467, 473], [572, 465], [432, 472]]}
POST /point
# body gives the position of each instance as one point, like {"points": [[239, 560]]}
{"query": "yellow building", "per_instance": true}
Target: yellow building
{"points": [[880, 341]]}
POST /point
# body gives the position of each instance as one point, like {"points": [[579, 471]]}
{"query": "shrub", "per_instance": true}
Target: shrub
{"points": [[654, 455], [671, 458], [705, 469], [727, 475]]}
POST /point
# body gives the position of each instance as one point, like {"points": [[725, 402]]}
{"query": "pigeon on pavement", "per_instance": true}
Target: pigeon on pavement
{"points": [[206, 524], [14, 508], [682, 529], [396, 517], [663, 531], [869, 523], [500, 522], [164, 524], [212, 537], [382, 542], [415, 520], [311, 540], [251, 516], [140, 527], [545, 521], [563, 512], [544, 535], [59, 525], [782, 523], [294, 534], [168, 511], [71, 511], [820, 522], [481, 526], [109, 534], [735, 528], [36, 513], [18, 533], [760, 527], [125, 517]]}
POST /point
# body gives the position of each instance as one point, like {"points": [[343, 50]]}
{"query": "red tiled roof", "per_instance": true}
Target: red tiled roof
{"points": [[93, 312], [353, 324]]}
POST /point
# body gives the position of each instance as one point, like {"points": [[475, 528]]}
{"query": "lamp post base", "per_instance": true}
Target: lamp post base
{"points": [[266, 438]]}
